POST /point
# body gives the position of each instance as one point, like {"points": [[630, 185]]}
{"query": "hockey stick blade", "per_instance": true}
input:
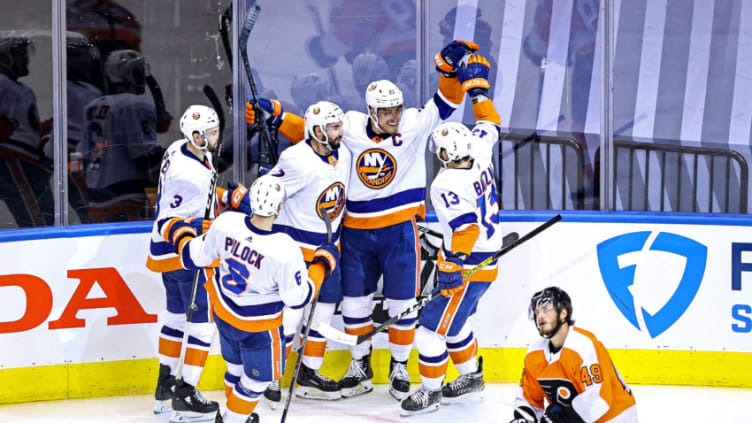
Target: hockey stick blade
{"points": [[329, 332]]}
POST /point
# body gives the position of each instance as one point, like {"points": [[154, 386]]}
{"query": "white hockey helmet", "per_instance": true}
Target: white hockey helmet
{"points": [[382, 94], [319, 115], [454, 138], [126, 66], [267, 195], [198, 118]]}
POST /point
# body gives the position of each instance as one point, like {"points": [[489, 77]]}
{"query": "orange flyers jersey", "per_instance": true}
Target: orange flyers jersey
{"points": [[462, 197], [581, 375], [184, 185], [388, 178], [260, 272], [311, 181]]}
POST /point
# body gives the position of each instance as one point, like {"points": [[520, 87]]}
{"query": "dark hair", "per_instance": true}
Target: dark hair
{"points": [[557, 296]]}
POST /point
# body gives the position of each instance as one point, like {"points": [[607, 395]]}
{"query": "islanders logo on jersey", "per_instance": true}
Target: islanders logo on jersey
{"points": [[376, 168], [333, 200]]}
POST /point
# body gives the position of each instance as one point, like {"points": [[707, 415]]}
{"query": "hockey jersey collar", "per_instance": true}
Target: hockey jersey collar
{"points": [[253, 228], [331, 158], [184, 149], [373, 135]]}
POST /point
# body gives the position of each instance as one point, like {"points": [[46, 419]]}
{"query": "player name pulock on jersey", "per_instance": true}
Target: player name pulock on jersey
{"points": [[247, 254]]}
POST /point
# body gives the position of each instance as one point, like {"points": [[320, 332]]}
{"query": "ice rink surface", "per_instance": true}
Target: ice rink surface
{"points": [[659, 404]]}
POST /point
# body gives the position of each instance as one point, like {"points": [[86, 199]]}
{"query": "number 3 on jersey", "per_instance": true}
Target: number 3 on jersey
{"points": [[237, 278]]}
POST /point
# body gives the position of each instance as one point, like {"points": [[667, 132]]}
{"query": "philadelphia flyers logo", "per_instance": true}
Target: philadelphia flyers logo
{"points": [[376, 168], [559, 391], [333, 200]]}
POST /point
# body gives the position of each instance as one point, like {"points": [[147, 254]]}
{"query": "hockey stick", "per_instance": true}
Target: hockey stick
{"points": [[250, 22], [156, 94], [225, 22], [194, 286], [217, 106], [347, 339], [325, 217]]}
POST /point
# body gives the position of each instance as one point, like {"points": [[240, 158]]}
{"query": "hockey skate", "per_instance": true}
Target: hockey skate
{"points": [[188, 405], [465, 387], [421, 401], [357, 380], [164, 392], [253, 418], [273, 394], [399, 380], [313, 385]]}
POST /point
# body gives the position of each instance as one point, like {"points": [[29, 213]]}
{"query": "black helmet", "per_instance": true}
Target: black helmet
{"points": [[556, 296]]}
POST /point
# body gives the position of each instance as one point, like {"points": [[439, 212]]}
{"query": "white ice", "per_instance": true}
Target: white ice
{"points": [[657, 404]]}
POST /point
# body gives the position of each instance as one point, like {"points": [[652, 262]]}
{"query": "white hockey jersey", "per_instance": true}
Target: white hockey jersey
{"points": [[260, 272], [312, 181], [388, 178], [119, 128], [466, 196], [19, 106], [184, 185]]}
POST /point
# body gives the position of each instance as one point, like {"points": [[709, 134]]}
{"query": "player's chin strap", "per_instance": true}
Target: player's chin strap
{"points": [[325, 141], [556, 329]]}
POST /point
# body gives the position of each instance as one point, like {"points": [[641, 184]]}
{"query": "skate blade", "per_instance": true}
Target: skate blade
{"points": [[398, 395], [192, 416], [317, 394], [272, 404], [429, 409], [362, 389], [471, 397], [162, 407]]}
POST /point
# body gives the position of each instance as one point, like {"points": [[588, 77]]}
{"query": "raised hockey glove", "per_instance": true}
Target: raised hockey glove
{"points": [[179, 231], [450, 275], [556, 413], [272, 107], [447, 59], [524, 414], [474, 76], [328, 254], [238, 198]]}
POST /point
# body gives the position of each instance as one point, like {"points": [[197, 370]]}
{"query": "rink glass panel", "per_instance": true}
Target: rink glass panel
{"points": [[26, 194], [117, 128], [682, 105]]}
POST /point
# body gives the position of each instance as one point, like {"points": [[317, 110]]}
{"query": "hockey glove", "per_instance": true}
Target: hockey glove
{"points": [[178, 231], [272, 107], [450, 276], [328, 254], [474, 76], [556, 413], [446, 61], [238, 198], [524, 414]]}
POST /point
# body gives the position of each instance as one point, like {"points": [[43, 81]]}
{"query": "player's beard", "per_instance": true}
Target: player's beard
{"points": [[336, 143]]}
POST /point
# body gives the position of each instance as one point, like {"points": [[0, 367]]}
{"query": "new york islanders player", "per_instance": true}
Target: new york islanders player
{"points": [[261, 272], [185, 183], [385, 197], [570, 369], [465, 200], [315, 174]]}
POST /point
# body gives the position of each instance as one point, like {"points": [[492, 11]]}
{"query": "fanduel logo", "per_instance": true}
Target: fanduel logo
{"points": [[618, 259]]}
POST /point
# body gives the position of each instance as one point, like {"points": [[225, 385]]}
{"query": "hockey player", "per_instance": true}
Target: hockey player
{"points": [[315, 174], [122, 149], [185, 184], [385, 197], [24, 177], [569, 368], [261, 272], [465, 200]]}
